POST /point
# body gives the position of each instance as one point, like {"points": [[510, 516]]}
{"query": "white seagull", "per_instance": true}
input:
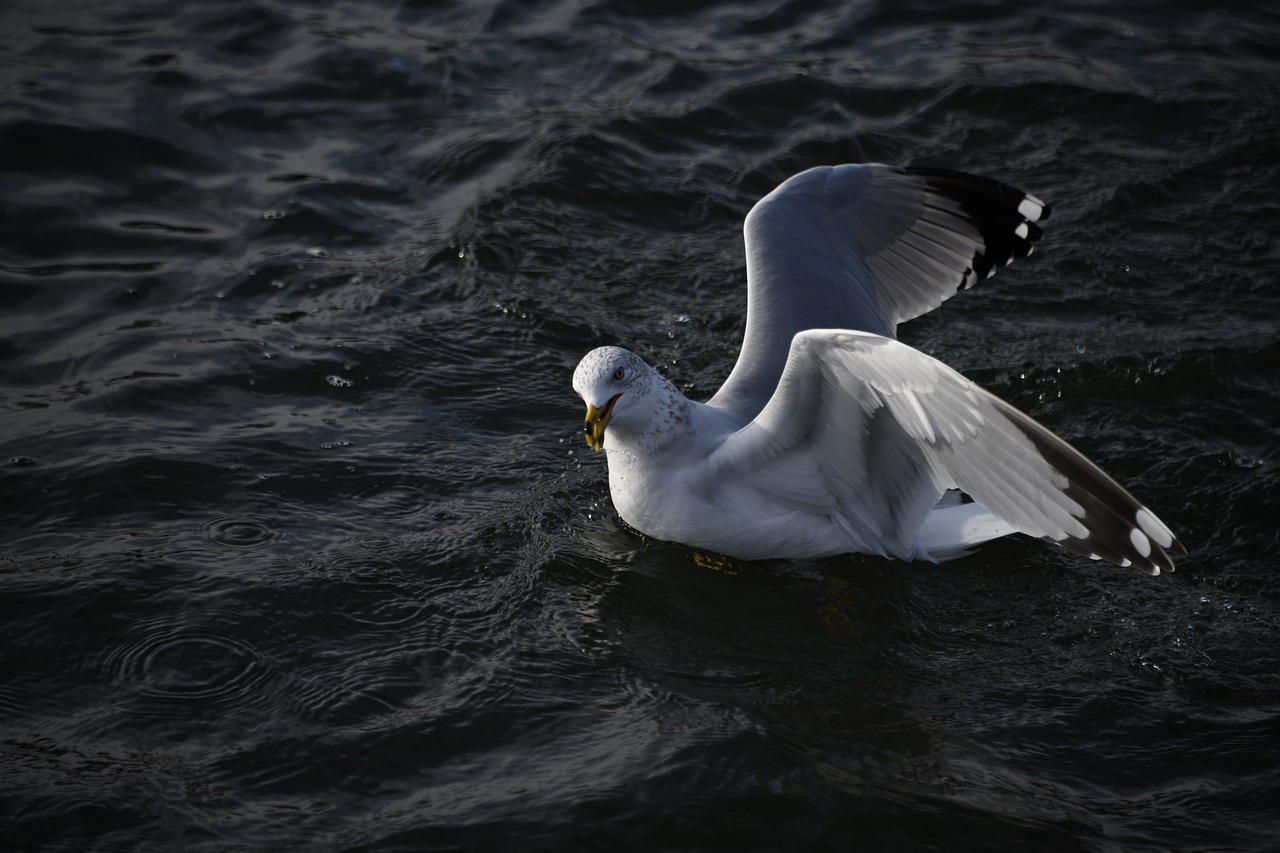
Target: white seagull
{"points": [[832, 437]]}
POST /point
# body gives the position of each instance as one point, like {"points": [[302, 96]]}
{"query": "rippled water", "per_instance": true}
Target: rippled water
{"points": [[302, 549]]}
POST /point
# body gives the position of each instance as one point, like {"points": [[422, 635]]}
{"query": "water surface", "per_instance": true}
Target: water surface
{"points": [[303, 550]]}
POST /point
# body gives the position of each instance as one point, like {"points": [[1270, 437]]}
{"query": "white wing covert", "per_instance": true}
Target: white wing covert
{"points": [[891, 429]]}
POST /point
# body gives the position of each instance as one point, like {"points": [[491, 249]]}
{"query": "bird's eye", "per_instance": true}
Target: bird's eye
{"points": [[620, 374]]}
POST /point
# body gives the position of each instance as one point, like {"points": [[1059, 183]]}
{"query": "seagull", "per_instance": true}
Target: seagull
{"points": [[832, 437]]}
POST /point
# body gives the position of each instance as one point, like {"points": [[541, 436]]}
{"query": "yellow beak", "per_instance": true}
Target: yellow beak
{"points": [[597, 420]]}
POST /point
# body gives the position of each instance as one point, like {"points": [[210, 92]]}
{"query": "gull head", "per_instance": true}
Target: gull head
{"points": [[617, 387]]}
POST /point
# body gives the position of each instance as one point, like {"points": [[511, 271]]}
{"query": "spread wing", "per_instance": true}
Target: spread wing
{"points": [[872, 432], [865, 247]]}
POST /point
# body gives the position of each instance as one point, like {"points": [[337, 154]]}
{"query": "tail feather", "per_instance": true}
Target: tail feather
{"points": [[950, 531]]}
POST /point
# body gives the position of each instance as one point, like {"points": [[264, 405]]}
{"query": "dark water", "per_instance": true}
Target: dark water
{"points": [[301, 547]]}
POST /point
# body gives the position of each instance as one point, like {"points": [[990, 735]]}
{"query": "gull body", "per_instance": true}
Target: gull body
{"points": [[832, 437]]}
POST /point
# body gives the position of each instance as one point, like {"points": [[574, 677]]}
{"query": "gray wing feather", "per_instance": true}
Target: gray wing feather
{"points": [[865, 247], [891, 429]]}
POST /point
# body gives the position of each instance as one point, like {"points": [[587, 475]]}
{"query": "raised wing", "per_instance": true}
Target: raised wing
{"points": [[865, 247], [879, 431]]}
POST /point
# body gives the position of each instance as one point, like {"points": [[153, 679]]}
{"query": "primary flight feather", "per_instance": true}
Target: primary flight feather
{"points": [[832, 437]]}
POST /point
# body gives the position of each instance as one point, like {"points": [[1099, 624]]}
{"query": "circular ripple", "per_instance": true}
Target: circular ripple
{"points": [[188, 665], [240, 531], [357, 590]]}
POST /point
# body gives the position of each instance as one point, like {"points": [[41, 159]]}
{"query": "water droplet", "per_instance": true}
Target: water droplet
{"points": [[317, 252], [338, 381], [270, 215]]}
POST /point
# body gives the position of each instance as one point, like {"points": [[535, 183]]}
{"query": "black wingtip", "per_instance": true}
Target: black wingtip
{"points": [[1006, 216], [1118, 527], [983, 192]]}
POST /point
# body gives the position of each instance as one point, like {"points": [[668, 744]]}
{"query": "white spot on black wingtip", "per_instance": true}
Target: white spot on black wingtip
{"points": [[1022, 230], [1153, 527], [1031, 208], [1140, 542]]}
